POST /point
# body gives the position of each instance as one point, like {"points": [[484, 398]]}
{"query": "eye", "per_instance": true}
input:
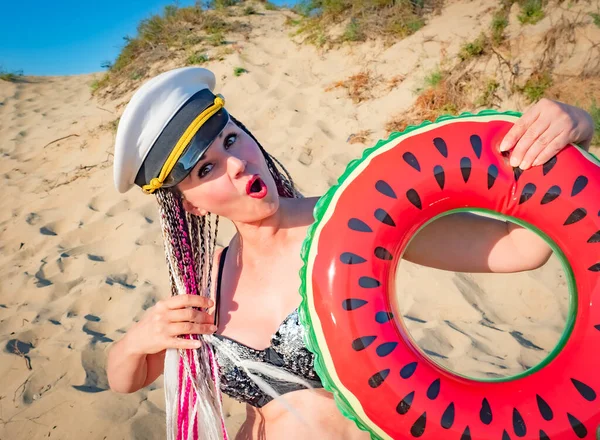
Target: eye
{"points": [[204, 170], [229, 140]]}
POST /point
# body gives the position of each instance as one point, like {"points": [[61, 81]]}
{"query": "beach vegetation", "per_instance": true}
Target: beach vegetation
{"points": [[536, 85], [197, 58], [473, 48], [358, 87], [594, 111], [596, 18], [10, 76], [238, 71], [532, 11], [366, 19]]}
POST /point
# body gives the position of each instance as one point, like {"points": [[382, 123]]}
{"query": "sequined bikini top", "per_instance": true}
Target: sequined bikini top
{"points": [[286, 352]]}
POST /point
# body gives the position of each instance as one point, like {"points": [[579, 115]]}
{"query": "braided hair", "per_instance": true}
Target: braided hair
{"points": [[191, 376]]}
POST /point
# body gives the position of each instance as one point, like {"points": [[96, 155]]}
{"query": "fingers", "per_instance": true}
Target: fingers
{"points": [[190, 328], [519, 128], [557, 144], [182, 301], [535, 133], [189, 315]]}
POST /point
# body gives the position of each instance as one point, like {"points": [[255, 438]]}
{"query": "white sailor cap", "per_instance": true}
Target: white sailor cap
{"points": [[168, 125]]}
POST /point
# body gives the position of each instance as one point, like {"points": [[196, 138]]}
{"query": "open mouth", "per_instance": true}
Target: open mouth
{"points": [[256, 188]]}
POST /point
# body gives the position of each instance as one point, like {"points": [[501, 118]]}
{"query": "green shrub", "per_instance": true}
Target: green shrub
{"points": [[197, 58], [237, 71], [594, 111], [474, 48], [536, 86], [499, 24], [10, 76], [532, 11], [596, 17]]}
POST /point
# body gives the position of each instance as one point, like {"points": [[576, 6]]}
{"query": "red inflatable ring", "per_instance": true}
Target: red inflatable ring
{"points": [[379, 377]]}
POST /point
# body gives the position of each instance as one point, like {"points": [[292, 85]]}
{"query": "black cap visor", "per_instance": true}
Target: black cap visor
{"points": [[157, 156]]}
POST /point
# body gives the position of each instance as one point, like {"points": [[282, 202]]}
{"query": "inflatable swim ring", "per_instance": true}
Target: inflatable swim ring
{"points": [[379, 377]]}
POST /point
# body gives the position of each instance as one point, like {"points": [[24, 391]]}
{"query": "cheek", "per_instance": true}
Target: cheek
{"points": [[214, 193]]}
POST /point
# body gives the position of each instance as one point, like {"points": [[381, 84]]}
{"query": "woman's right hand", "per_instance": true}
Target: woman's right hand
{"points": [[163, 324]]}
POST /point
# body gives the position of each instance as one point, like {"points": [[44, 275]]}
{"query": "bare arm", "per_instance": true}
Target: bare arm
{"points": [[465, 242]]}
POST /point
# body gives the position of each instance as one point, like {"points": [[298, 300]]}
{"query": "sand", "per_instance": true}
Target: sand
{"points": [[79, 262]]}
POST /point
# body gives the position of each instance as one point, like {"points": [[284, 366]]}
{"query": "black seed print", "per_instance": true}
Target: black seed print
{"points": [[597, 327], [350, 258], [527, 193], [413, 197], [405, 403], [418, 428], [385, 349], [595, 238], [353, 303], [492, 175], [408, 370], [465, 168], [579, 185], [543, 435], [385, 189], [383, 253], [585, 390], [485, 413], [476, 144], [551, 194], [363, 342], [368, 283], [434, 390], [466, 435], [549, 165], [577, 215], [410, 159], [448, 417], [505, 435], [384, 217], [595, 268], [517, 173], [578, 428], [383, 317], [544, 408], [441, 146], [519, 424], [378, 378], [358, 225], [440, 176]]}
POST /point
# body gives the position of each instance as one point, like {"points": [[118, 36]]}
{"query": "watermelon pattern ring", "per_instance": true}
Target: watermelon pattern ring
{"points": [[364, 354]]}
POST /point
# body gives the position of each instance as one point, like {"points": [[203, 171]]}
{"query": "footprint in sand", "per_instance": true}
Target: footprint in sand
{"points": [[121, 279], [92, 360], [33, 218]]}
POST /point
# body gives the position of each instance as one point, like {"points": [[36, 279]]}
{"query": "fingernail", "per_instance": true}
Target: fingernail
{"points": [[211, 303], [536, 163], [504, 146], [524, 165], [213, 328], [514, 162], [197, 344]]}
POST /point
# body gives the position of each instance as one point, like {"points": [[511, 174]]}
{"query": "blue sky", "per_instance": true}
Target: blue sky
{"points": [[64, 37]]}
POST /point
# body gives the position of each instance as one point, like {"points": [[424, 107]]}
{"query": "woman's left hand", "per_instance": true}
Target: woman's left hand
{"points": [[545, 129]]}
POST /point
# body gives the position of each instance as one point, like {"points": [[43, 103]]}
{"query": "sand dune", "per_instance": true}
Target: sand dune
{"points": [[79, 262]]}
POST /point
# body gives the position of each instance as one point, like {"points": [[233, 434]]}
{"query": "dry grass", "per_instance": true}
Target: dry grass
{"points": [[394, 81], [358, 87], [448, 96]]}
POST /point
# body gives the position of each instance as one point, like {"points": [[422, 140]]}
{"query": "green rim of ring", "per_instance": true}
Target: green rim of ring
{"points": [[321, 208]]}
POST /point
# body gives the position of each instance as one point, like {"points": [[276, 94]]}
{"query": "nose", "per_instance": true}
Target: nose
{"points": [[236, 166]]}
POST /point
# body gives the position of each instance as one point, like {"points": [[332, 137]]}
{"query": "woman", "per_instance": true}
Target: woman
{"points": [[218, 167]]}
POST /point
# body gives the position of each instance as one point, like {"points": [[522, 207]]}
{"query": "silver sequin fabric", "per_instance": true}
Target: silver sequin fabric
{"points": [[287, 352]]}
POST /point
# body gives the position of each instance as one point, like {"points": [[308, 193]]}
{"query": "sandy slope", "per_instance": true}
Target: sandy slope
{"points": [[79, 262]]}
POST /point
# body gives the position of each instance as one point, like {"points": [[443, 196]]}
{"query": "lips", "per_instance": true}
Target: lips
{"points": [[256, 188]]}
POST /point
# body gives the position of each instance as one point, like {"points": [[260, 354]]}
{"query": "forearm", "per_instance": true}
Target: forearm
{"points": [[126, 370], [465, 242]]}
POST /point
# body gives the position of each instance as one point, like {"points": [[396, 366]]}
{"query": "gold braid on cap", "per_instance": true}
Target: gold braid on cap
{"points": [[182, 143]]}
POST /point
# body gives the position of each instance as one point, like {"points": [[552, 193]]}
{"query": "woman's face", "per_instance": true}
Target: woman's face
{"points": [[231, 180]]}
